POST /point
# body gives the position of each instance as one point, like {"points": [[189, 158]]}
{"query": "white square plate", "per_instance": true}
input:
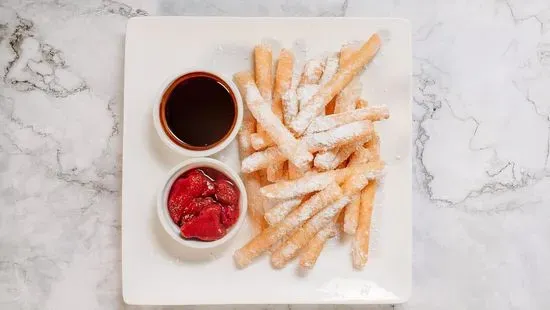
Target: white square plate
{"points": [[155, 269]]}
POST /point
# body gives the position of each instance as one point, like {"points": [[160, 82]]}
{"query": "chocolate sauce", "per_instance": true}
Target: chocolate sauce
{"points": [[198, 110]]}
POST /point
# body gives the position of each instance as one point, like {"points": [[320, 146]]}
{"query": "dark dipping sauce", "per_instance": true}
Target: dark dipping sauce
{"points": [[198, 110]]}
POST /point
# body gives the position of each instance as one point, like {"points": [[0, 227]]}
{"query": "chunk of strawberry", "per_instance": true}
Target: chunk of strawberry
{"points": [[226, 192], [198, 184], [230, 214], [195, 206], [177, 200], [206, 226]]}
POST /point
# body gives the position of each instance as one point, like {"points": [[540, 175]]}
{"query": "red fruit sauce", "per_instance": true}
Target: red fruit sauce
{"points": [[204, 203]]}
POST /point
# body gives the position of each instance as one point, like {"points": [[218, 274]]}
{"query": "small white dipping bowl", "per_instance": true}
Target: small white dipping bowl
{"points": [[162, 202], [170, 139]]}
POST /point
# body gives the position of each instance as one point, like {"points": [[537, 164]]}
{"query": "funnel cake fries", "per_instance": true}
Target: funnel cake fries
{"points": [[311, 169]]}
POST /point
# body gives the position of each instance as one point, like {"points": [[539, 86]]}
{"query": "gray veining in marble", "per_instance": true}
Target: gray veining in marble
{"points": [[481, 134]]}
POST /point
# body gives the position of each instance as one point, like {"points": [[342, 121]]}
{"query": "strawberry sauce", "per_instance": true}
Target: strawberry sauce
{"points": [[204, 203]]}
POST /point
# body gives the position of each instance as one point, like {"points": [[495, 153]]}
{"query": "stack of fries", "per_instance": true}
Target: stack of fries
{"points": [[310, 154]]}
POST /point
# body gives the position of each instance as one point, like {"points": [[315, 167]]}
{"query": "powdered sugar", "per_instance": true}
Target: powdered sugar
{"points": [[282, 209], [324, 216], [360, 156], [359, 257], [313, 225], [300, 187], [328, 232], [258, 141], [331, 66], [311, 182], [313, 205], [312, 71], [261, 160], [324, 159], [290, 105], [289, 98], [358, 181], [247, 128], [351, 214], [252, 94], [305, 93], [332, 159], [322, 123], [255, 199], [327, 140], [289, 249]]}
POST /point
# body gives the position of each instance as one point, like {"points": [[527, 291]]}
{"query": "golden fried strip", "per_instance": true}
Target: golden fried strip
{"points": [[283, 76], [360, 248], [263, 63], [281, 210], [351, 213], [360, 156], [331, 67], [336, 137], [318, 181], [283, 80], [313, 249]]}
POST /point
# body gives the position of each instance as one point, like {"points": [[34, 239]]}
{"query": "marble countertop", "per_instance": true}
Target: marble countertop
{"points": [[481, 137]]}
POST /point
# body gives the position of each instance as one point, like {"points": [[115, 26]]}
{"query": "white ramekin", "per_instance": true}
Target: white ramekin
{"points": [[162, 202], [189, 152]]}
